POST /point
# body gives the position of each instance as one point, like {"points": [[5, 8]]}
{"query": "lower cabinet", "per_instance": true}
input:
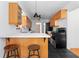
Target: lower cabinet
{"points": [[25, 42]]}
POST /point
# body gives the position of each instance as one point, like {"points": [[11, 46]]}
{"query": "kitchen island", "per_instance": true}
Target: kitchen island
{"points": [[26, 39], [14, 36]]}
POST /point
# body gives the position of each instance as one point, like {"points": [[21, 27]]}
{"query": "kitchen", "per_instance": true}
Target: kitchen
{"points": [[24, 31]]}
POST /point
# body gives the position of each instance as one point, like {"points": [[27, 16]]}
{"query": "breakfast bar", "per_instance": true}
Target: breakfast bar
{"points": [[26, 39]]}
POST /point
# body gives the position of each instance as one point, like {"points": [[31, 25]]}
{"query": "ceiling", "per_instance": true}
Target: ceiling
{"points": [[46, 8]]}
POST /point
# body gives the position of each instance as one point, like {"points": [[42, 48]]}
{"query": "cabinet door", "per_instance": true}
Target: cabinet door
{"points": [[10, 13], [24, 21], [14, 14], [19, 18]]}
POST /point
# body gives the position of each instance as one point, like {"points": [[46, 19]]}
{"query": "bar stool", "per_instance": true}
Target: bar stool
{"points": [[32, 49], [11, 51]]}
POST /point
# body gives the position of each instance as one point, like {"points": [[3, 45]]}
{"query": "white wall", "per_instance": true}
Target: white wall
{"points": [[2, 44], [5, 28], [3, 16], [62, 22], [3, 24], [73, 29]]}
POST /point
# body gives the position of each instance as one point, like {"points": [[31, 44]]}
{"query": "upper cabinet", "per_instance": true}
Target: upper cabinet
{"points": [[59, 15], [26, 21], [29, 22], [63, 13], [15, 14]]}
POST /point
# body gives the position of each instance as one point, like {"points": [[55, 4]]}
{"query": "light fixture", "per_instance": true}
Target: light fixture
{"points": [[36, 15]]}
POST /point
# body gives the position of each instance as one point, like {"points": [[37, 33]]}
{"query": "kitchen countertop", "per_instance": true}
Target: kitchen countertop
{"points": [[26, 35], [13, 33], [29, 35]]}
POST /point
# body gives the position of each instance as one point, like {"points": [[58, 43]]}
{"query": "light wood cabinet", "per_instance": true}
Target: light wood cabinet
{"points": [[26, 21], [14, 14], [29, 23], [59, 15], [25, 42], [63, 13]]}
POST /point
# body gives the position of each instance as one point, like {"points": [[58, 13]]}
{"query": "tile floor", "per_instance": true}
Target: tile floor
{"points": [[59, 53]]}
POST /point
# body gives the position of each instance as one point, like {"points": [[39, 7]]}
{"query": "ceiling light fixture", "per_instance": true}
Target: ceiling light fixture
{"points": [[36, 15]]}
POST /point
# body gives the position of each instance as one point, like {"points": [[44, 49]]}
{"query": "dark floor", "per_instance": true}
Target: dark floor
{"points": [[60, 53]]}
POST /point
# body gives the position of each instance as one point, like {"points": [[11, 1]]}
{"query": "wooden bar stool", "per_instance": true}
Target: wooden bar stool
{"points": [[11, 51], [32, 49]]}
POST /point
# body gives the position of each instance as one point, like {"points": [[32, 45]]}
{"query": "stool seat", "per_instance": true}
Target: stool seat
{"points": [[11, 46], [34, 48], [11, 51]]}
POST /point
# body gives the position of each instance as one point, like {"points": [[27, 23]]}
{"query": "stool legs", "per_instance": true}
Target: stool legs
{"points": [[29, 54], [34, 53], [12, 53], [17, 51], [38, 53], [7, 54]]}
